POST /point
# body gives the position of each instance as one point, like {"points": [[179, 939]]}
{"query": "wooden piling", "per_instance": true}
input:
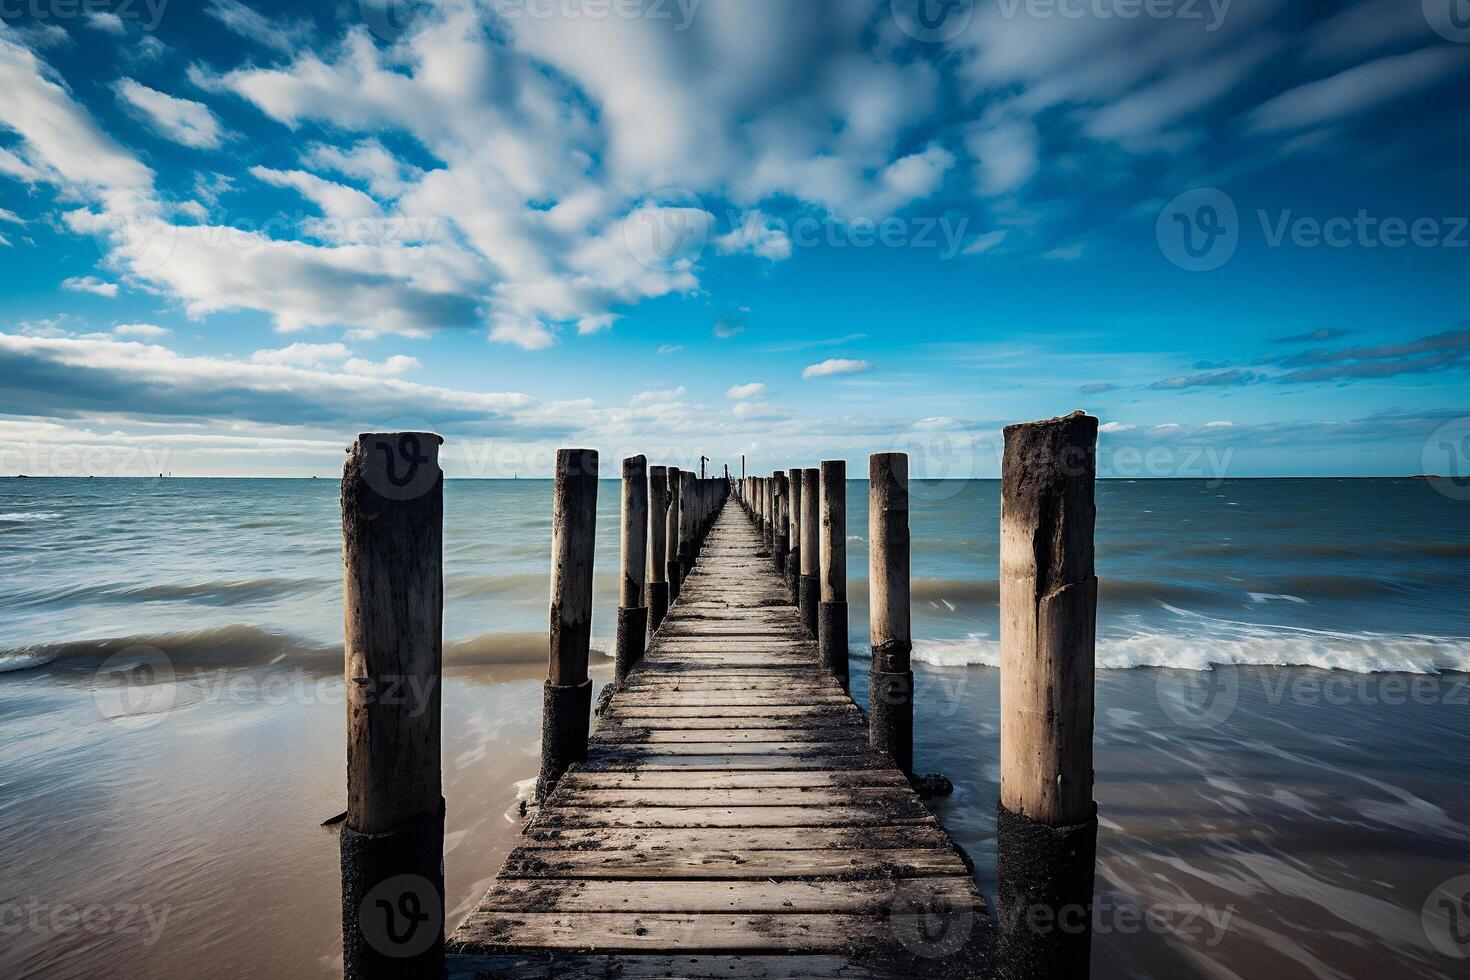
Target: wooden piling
{"points": [[392, 844], [658, 536], [689, 527], [1047, 823], [792, 569], [781, 534], [672, 526], [567, 703], [891, 679], [809, 593], [632, 628], [832, 570]]}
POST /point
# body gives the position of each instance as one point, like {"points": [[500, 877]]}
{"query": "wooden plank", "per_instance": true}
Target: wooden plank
{"points": [[804, 932], [744, 816], [644, 736], [668, 865], [736, 839], [583, 779], [615, 895], [787, 796], [574, 966]]}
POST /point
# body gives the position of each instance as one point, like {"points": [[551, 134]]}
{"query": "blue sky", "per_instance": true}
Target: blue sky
{"points": [[233, 235]]}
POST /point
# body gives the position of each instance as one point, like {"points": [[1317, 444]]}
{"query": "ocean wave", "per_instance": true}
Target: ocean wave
{"points": [[224, 646], [210, 593], [29, 516], [1211, 641], [241, 646]]}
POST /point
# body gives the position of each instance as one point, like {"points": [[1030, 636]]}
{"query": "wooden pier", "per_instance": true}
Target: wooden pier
{"points": [[731, 812], [730, 819]]}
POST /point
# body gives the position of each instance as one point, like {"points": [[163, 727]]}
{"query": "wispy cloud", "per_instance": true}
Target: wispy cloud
{"points": [[746, 391], [89, 284], [833, 367], [1219, 379]]}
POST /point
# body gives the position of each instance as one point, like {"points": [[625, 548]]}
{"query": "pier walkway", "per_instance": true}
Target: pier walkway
{"points": [[731, 819]]}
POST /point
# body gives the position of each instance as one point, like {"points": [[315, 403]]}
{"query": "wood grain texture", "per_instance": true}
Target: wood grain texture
{"points": [[392, 617], [1048, 613], [731, 818]]}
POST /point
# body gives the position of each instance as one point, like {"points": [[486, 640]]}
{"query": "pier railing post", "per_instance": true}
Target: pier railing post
{"points": [[832, 571], [672, 528], [809, 591], [658, 537], [1046, 833], [792, 570], [632, 629], [768, 513], [393, 604], [689, 529], [891, 679], [567, 705], [781, 532]]}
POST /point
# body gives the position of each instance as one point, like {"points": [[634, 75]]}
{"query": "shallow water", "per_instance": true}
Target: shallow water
{"points": [[1256, 820]]}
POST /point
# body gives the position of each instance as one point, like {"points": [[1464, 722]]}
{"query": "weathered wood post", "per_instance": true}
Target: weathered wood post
{"points": [[1046, 833], [688, 529], [781, 533], [392, 844], [832, 610], [658, 537], [791, 567], [768, 513], [809, 591], [632, 629], [673, 525], [567, 704], [891, 679]]}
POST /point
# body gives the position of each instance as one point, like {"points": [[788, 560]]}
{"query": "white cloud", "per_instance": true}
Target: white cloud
{"points": [[1066, 253], [1116, 427], [1360, 89], [658, 395], [760, 235], [107, 22], [1007, 153], [303, 355], [386, 175], [984, 243], [669, 348], [148, 330], [392, 367], [742, 392], [834, 366], [89, 284], [181, 120], [60, 140], [274, 33]]}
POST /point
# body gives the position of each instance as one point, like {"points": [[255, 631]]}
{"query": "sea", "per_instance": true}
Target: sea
{"points": [[1282, 730]]}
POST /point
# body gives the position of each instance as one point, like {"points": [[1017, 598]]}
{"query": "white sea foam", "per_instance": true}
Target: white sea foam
{"points": [[29, 516], [1200, 642], [25, 660]]}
